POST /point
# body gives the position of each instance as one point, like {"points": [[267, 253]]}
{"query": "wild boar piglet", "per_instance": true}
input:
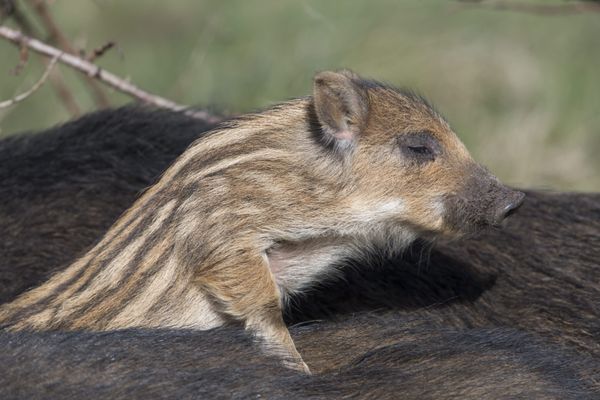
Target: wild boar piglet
{"points": [[264, 206]]}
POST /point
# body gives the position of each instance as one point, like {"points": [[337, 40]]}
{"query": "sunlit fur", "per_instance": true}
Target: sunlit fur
{"points": [[261, 207]]}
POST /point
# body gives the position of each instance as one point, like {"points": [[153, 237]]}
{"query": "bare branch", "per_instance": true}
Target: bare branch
{"points": [[102, 75], [11, 9], [35, 87], [57, 36], [575, 7]]}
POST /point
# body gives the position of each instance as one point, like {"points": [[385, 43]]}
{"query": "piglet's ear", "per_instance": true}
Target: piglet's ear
{"points": [[341, 106]]}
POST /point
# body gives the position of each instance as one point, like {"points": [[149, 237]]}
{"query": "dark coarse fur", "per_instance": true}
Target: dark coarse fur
{"points": [[63, 188], [415, 359], [59, 190]]}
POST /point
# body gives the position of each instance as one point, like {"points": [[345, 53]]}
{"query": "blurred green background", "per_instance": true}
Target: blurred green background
{"points": [[521, 90]]}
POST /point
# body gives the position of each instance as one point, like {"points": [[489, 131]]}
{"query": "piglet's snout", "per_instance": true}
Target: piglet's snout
{"points": [[481, 201]]}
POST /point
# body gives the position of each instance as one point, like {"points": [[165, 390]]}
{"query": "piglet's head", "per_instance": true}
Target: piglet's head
{"points": [[404, 159]]}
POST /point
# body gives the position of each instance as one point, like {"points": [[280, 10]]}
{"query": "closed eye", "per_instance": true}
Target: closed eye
{"points": [[421, 147], [421, 150]]}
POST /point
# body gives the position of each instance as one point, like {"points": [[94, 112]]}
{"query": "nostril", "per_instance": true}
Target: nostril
{"points": [[511, 207]]}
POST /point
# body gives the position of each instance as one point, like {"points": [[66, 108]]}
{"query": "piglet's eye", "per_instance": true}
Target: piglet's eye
{"points": [[421, 150], [421, 147]]}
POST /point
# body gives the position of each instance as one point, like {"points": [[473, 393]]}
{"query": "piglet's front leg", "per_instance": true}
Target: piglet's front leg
{"points": [[244, 288]]}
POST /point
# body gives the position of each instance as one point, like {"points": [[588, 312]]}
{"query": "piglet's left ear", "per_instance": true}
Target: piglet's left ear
{"points": [[341, 106]]}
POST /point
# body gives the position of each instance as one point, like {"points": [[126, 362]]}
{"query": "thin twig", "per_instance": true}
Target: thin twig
{"points": [[23, 58], [99, 51], [56, 79], [575, 7], [35, 87], [57, 36], [102, 75]]}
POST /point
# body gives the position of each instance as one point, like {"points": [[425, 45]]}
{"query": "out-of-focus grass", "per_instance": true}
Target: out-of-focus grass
{"points": [[522, 91]]}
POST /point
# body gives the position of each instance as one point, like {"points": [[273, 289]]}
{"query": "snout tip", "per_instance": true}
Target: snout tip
{"points": [[515, 201]]}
